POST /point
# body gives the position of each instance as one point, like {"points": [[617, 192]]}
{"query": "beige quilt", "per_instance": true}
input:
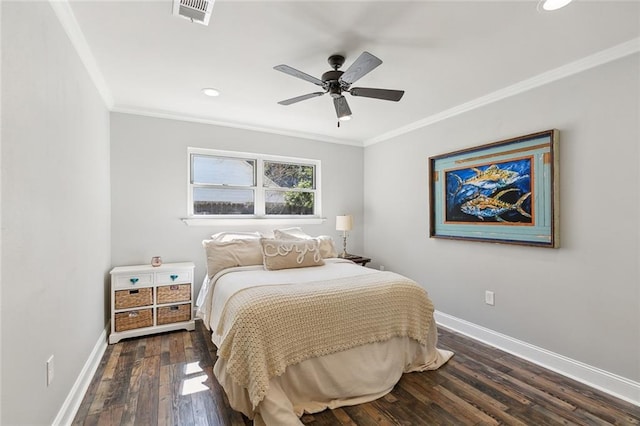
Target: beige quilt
{"points": [[267, 328]]}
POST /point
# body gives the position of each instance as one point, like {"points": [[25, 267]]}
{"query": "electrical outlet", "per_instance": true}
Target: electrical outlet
{"points": [[50, 370], [382, 267], [489, 298]]}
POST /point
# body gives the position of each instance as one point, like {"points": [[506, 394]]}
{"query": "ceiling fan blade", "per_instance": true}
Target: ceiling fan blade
{"points": [[342, 107], [301, 98], [296, 73], [386, 94], [363, 65]]}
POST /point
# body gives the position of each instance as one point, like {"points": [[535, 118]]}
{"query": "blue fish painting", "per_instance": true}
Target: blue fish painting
{"points": [[493, 207], [494, 192]]}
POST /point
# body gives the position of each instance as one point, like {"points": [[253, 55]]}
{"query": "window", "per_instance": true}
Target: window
{"points": [[225, 184]]}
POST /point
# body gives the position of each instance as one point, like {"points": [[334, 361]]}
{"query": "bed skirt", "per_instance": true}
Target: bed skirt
{"points": [[355, 376]]}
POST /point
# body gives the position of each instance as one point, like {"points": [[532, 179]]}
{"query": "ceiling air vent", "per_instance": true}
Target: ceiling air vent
{"points": [[194, 10]]}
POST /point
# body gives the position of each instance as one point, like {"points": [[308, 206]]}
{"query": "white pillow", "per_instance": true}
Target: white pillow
{"points": [[230, 236], [327, 247], [295, 232], [228, 254], [287, 254]]}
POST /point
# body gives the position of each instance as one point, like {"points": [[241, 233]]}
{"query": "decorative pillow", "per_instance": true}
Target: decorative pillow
{"points": [[327, 248], [230, 236], [286, 233], [286, 254], [228, 254]]}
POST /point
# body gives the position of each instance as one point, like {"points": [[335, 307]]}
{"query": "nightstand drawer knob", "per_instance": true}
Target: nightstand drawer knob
{"points": [[134, 280], [173, 277]]}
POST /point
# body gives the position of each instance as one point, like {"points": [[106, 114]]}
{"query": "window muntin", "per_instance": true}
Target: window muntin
{"points": [[227, 184]]}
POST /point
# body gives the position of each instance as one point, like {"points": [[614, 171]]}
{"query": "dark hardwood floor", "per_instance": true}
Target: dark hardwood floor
{"points": [[167, 379]]}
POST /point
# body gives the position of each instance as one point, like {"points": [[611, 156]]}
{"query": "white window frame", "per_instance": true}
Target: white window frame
{"points": [[259, 216]]}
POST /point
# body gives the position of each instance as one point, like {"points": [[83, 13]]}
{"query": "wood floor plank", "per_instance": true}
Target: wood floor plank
{"points": [[111, 416], [154, 346], [417, 412], [165, 405], [176, 349], [360, 415], [204, 406], [148, 393], [598, 409], [131, 403], [343, 418], [167, 379], [182, 407], [484, 402]]}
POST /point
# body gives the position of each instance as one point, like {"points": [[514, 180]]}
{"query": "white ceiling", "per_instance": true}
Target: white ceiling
{"points": [[446, 55]]}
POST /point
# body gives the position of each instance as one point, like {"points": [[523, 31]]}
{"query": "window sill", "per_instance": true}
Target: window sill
{"points": [[207, 221]]}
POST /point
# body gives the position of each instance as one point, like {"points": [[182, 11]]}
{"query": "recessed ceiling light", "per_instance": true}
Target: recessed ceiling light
{"points": [[210, 91], [554, 4]]}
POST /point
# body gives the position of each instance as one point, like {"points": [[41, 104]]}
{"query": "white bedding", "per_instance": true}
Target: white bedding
{"points": [[353, 376]]}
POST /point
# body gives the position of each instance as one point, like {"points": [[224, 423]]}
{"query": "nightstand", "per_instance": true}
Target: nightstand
{"points": [[360, 260], [147, 300]]}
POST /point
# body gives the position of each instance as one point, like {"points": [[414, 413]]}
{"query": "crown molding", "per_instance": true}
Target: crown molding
{"points": [[190, 118], [67, 19], [605, 56]]}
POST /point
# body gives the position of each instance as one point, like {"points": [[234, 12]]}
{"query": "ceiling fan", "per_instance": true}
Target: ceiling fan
{"points": [[336, 82]]}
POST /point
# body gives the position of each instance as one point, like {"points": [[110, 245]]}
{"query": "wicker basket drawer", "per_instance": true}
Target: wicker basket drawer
{"points": [[133, 298], [134, 319], [175, 313], [174, 293]]}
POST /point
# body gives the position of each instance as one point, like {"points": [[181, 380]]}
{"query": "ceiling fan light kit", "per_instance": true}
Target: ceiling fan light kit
{"points": [[336, 82]]}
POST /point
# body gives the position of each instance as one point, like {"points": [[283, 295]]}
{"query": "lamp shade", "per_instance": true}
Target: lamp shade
{"points": [[344, 223]]}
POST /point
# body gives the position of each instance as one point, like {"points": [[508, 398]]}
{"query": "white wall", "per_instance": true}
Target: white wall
{"points": [[581, 300], [149, 186], [55, 213]]}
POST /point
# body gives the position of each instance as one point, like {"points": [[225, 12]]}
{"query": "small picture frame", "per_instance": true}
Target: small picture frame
{"points": [[502, 192]]}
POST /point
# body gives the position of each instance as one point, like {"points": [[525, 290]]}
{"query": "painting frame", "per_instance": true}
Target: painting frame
{"points": [[501, 192]]}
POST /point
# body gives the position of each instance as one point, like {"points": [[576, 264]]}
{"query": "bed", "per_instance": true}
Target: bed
{"points": [[299, 330]]}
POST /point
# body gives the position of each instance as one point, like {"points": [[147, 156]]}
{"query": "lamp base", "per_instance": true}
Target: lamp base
{"points": [[344, 253]]}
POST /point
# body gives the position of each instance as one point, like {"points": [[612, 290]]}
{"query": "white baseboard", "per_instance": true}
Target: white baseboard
{"points": [[76, 394], [602, 380]]}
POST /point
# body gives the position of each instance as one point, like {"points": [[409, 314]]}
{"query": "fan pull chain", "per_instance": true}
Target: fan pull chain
{"points": [[338, 123]]}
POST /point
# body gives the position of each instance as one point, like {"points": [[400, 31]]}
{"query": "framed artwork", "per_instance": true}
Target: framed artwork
{"points": [[502, 192]]}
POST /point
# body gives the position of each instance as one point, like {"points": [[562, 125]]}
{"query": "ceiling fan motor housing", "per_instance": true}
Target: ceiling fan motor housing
{"points": [[331, 80]]}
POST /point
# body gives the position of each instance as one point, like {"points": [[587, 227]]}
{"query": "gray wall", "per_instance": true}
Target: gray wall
{"points": [[55, 213], [581, 300], [149, 186]]}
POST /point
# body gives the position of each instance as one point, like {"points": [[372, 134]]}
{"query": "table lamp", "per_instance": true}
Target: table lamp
{"points": [[344, 224]]}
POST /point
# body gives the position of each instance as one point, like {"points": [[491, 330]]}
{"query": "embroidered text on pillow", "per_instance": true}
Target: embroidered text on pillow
{"points": [[284, 248]]}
